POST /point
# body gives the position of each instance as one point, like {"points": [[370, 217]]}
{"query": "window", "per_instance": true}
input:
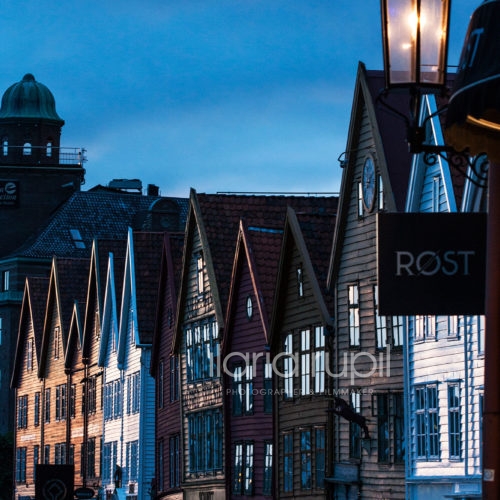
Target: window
{"points": [[288, 462], [454, 421], [21, 464], [305, 460], [288, 367], [72, 401], [243, 469], [160, 465], [36, 459], [268, 387], [175, 461], [399, 438], [60, 453], [6, 281], [132, 448], [320, 457], [109, 459], [353, 306], [91, 458], [397, 331], [27, 149], [117, 398], [200, 279], [5, 147], [205, 441], [427, 422], [355, 429], [48, 149], [89, 395], [77, 238], [174, 378], [22, 412], [380, 322], [380, 193], [360, 199], [249, 307], [424, 327], [319, 360], [305, 362], [480, 333], [300, 281], [46, 454], [61, 402], [47, 405], [133, 392], [36, 413], [268, 468], [383, 442], [29, 355], [57, 342], [243, 390], [202, 347]]}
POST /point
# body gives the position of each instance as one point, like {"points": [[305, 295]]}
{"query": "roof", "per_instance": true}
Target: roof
{"points": [[29, 99], [147, 255], [218, 217], [101, 214]]}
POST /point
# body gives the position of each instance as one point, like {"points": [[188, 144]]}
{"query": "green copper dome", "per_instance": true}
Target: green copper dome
{"points": [[29, 99]]}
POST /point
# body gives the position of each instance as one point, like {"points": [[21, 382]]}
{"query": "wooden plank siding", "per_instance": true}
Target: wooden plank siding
{"points": [[165, 369], [28, 387], [358, 369], [245, 344], [449, 357]]}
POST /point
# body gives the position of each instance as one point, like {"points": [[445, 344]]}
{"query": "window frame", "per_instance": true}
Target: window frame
{"points": [[353, 315]]}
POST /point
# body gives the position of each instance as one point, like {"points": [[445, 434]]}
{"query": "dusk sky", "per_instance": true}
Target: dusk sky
{"points": [[218, 95]]}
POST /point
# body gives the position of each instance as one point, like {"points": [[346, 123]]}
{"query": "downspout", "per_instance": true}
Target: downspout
{"points": [[407, 405], [466, 361]]}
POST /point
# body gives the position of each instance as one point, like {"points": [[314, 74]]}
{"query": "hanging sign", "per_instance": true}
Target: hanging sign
{"points": [[431, 263]]}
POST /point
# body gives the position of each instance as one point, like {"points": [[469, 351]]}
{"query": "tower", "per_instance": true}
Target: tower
{"points": [[36, 174]]}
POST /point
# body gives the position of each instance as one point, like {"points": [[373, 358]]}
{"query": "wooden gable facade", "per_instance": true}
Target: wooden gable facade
{"points": [[248, 374], [302, 328], [111, 255], [137, 317], [165, 368], [67, 288], [445, 354], [369, 453], [28, 387]]}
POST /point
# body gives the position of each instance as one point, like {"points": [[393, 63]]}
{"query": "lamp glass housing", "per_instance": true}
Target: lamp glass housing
{"points": [[415, 40]]}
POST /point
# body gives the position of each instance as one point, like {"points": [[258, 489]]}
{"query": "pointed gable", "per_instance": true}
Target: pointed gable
{"points": [[216, 219], [257, 249], [67, 286], [31, 322]]}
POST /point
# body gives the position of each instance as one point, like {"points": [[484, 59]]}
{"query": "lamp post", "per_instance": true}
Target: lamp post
{"points": [[415, 36]]}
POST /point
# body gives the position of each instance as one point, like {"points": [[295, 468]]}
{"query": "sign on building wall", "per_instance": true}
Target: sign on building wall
{"points": [[431, 263], [9, 193]]}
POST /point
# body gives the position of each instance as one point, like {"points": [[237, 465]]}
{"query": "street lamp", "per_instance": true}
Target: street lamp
{"points": [[415, 34]]}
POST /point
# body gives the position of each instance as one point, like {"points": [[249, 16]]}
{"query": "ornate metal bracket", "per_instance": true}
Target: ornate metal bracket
{"points": [[474, 168]]}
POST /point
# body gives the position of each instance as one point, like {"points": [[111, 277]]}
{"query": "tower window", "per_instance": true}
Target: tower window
{"points": [[5, 147], [48, 151], [27, 149]]}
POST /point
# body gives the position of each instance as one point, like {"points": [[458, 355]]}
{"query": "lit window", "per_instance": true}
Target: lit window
{"points": [[27, 149], [300, 281], [353, 306], [199, 273], [5, 147], [288, 367], [48, 151], [249, 307], [6, 281]]}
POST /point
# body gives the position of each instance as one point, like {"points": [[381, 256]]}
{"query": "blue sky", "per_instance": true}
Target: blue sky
{"points": [[218, 95]]}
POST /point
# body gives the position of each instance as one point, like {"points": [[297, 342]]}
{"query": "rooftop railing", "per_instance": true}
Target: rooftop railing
{"points": [[46, 155]]}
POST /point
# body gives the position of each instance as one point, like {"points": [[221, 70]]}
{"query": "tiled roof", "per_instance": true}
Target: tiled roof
{"points": [[393, 133], [72, 274], [317, 230], [221, 215], [95, 214], [147, 253]]}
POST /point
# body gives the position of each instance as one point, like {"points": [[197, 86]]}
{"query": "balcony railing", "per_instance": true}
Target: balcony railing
{"points": [[44, 155]]}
